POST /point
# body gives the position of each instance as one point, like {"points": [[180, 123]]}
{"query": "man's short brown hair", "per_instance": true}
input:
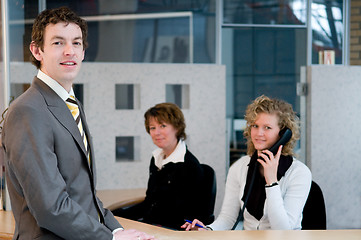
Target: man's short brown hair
{"points": [[54, 16]]}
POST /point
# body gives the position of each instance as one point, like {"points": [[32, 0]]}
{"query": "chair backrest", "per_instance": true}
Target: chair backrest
{"points": [[314, 212], [210, 192]]}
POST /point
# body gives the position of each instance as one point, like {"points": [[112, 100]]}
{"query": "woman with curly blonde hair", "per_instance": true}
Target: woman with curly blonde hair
{"points": [[269, 191], [286, 118]]}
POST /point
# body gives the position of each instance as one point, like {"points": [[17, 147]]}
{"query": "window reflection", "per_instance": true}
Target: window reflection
{"points": [[265, 11], [154, 40], [327, 28], [95, 7], [81, 7]]}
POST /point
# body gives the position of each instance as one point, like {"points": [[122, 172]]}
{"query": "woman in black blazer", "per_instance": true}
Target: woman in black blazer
{"points": [[169, 195]]}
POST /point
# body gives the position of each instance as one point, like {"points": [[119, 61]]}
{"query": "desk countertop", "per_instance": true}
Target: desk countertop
{"points": [[7, 229], [7, 225], [166, 234]]}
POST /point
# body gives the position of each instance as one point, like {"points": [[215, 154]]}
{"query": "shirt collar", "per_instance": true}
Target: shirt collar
{"points": [[54, 85], [176, 156]]}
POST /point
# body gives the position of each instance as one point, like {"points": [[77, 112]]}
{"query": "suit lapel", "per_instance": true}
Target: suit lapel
{"points": [[61, 112]]}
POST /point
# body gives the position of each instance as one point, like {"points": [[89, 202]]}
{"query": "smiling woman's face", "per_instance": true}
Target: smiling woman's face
{"points": [[264, 131]]}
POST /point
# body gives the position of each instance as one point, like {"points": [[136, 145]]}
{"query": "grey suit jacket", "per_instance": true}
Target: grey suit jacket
{"points": [[51, 185]]}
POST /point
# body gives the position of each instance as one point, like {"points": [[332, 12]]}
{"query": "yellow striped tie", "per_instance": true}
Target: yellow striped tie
{"points": [[74, 109]]}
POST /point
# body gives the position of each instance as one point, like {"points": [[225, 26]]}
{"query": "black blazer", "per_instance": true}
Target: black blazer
{"points": [[171, 194]]}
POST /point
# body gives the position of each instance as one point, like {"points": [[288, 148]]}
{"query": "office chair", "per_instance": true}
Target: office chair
{"points": [[209, 189], [314, 212]]}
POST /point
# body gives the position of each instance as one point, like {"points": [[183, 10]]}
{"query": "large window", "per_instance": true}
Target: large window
{"points": [[264, 42], [264, 45], [268, 45], [129, 30], [266, 61]]}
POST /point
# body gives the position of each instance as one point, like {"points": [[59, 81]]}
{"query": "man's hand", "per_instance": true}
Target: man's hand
{"points": [[132, 234]]}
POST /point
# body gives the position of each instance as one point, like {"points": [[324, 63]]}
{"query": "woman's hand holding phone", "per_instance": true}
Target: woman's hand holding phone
{"points": [[269, 163]]}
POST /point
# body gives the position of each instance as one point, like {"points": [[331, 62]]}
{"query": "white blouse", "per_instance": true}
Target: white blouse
{"points": [[283, 205], [176, 156]]}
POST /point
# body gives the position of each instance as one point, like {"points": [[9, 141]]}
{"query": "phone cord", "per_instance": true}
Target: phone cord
{"points": [[241, 211]]}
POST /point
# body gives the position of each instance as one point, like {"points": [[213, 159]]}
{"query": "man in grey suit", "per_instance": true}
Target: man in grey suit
{"points": [[50, 169]]}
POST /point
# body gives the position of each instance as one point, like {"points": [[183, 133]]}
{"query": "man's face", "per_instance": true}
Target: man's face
{"points": [[63, 52]]}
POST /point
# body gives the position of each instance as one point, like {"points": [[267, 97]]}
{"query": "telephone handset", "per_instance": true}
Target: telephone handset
{"points": [[285, 135]]}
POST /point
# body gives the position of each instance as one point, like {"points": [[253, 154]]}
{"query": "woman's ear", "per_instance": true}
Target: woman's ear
{"points": [[36, 51]]}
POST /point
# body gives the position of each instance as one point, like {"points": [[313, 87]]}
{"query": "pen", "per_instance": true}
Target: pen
{"points": [[196, 223]]}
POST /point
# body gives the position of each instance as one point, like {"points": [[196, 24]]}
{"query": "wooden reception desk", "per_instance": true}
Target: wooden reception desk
{"points": [[7, 229], [115, 198], [7, 225]]}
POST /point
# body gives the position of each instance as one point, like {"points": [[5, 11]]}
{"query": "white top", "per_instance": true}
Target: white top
{"points": [[283, 205], [176, 156]]}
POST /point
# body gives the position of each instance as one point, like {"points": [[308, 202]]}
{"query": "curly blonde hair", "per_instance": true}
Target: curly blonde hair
{"points": [[287, 119]]}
